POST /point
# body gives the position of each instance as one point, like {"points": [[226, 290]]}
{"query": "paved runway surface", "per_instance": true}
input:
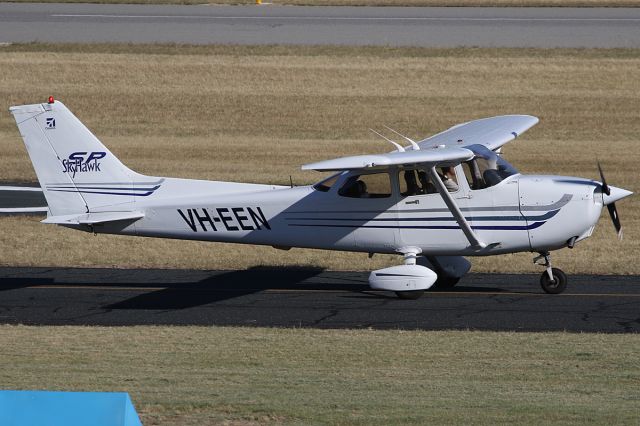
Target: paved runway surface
{"points": [[439, 27], [299, 297]]}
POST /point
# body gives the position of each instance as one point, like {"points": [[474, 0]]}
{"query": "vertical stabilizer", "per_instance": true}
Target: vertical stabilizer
{"points": [[76, 171]]}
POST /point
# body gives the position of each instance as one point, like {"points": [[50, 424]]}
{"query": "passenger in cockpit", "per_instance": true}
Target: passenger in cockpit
{"points": [[427, 186], [357, 189], [412, 184], [361, 189]]}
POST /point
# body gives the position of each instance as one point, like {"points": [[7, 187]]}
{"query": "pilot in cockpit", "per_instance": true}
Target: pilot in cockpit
{"points": [[449, 179], [487, 168]]}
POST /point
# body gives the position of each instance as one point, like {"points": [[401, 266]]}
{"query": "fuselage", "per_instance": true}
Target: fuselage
{"points": [[519, 213]]}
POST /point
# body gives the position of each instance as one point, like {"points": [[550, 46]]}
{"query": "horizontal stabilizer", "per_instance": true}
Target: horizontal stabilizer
{"points": [[93, 218], [433, 156]]}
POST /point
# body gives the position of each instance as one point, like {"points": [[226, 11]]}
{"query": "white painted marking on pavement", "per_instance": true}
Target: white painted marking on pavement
{"points": [[23, 209], [345, 18], [20, 188]]}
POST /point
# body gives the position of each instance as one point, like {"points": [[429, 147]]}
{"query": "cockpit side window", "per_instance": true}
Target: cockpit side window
{"points": [[487, 168], [326, 184], [474, 170], [376, 185], [418, 182]]}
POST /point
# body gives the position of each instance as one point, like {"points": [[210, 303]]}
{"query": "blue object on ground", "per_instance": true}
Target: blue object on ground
{"points": [[20, 408]]}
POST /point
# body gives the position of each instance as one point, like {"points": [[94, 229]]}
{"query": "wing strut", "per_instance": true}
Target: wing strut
{"points": [[455, 210]]}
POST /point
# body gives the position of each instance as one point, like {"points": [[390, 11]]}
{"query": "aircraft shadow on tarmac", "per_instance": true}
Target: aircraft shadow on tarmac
{"points": [[223, 286], [233, 284], [13, 283], [219, 286]]}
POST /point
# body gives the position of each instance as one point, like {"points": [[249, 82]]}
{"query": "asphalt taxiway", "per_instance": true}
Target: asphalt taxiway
{"points": [[307, 297], [386, 26]]}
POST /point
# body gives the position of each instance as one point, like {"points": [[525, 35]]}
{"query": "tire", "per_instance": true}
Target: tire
{"points": [[410, 295], [444, 282], [559, 283]]}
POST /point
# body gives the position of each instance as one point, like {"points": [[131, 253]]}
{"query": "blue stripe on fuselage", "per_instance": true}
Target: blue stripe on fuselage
{"points": [[481, 227], [543, 217]]}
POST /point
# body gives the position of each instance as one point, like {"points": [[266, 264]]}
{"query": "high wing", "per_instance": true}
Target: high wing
{"points": [[447, 147], [438, 155], [491, 132]]}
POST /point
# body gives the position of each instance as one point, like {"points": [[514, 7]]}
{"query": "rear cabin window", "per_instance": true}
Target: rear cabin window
{"points": [[376, 185], [327, 184]]}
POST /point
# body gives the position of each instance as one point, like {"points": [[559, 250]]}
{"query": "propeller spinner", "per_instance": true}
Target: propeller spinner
{"points": [[610, 200]]}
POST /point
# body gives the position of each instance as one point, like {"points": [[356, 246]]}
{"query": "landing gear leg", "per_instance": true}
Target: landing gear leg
{"points": [[552, 280], [410, 259]]}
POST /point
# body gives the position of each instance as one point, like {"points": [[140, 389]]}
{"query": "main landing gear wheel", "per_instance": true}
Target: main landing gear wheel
{"points": [[555, 286], [410, 295]]}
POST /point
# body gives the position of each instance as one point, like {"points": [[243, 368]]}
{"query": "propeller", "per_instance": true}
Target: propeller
{"points": [[613, 212]]}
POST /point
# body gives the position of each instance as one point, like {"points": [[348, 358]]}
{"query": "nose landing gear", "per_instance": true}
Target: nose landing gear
{"points": [[552, 280]]}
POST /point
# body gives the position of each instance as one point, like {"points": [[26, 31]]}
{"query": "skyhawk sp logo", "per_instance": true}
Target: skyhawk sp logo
{"points": [[82, 162]]}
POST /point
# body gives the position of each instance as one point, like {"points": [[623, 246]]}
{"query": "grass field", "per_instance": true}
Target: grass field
{"points": [[257, 113], [246, 376], [432, 3]]}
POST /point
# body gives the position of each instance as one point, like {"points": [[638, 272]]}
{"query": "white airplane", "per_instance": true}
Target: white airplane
{"points": [[432, 201]]}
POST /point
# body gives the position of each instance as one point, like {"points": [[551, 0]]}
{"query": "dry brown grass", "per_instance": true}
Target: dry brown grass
{"points": [[422, 3], [257, 113], [212, 375]]}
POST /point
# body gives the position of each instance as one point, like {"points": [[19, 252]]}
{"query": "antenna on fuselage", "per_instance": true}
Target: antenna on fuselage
{"points": [[413, 143], [396, 144]]}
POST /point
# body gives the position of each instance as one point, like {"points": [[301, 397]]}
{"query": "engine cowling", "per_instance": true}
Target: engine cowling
{"points": [[402, 278]]}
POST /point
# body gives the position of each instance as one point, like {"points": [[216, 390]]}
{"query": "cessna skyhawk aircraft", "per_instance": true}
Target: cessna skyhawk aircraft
{"points": [[432, 201]]}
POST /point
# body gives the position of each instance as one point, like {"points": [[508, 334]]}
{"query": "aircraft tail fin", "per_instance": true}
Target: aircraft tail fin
{"points": [[76, 171]]}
